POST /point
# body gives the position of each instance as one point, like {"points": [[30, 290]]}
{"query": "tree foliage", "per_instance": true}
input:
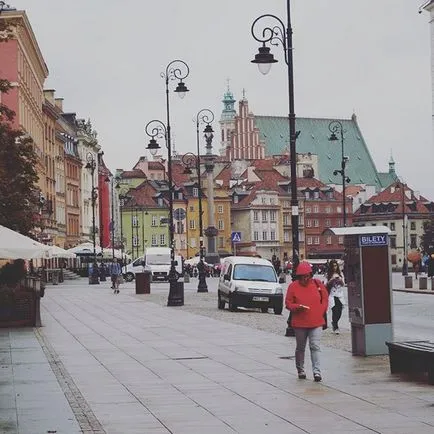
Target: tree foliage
{"points": [[428, 236], [19, 196]]}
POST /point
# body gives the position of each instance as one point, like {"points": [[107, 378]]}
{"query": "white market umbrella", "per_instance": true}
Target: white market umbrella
{"points": [[14, 245], [58, 252], [84, 248], [194, 261]]}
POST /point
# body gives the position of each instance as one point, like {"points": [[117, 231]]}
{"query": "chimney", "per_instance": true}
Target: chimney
{"points": [[59, 103], [49, 95]]}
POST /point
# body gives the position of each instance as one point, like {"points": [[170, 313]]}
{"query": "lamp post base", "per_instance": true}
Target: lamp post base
{"points": [[405, 268], [176, 293]]}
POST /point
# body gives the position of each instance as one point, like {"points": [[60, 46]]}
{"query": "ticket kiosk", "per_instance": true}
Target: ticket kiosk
{"points": [[369, 280]]}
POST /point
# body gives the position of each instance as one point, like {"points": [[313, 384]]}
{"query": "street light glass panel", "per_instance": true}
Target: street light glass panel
{"points": [[181, 89], [264, 68], [153, 146]]}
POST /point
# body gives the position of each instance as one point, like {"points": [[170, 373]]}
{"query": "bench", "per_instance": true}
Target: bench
{"points": [[412, 356]]}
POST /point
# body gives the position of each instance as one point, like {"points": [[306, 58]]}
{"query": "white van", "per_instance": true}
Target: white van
{"points": [[250, 282], [139, 265], [157, 259]]}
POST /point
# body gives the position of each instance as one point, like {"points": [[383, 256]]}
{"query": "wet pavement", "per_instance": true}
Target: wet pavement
{"points": [[105, 363]]}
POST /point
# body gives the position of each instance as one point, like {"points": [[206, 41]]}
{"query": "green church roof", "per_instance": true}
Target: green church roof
{"points": [[314, 138]]}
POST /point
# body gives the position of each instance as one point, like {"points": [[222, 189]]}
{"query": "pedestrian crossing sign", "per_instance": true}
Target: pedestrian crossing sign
{"points": [[236, 237]]}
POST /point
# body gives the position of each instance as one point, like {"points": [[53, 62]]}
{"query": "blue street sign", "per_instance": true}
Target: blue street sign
{"points": [[373, 240], [236, 237]]}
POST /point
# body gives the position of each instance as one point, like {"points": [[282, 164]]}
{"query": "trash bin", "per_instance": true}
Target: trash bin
{"points": [[55, 277], [408, 281], [143, 282], [423, 282]]}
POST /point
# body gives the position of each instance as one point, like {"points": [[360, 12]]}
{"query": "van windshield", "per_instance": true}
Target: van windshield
{"points": [[259, 273], [158, 259]]}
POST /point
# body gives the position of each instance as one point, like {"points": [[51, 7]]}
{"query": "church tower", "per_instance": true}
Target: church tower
{"points": [[227, 120]]}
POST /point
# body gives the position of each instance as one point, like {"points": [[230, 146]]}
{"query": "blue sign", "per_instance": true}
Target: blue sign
{"points": [[373, 240], [236, 237]]}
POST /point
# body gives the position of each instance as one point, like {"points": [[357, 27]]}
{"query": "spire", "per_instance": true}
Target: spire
{"points": [[228, 101], [391, 163]]}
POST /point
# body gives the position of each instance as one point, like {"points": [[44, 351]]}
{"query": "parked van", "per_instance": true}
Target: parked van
{"points": [[139, 265], [158, 261], [250, 282]]}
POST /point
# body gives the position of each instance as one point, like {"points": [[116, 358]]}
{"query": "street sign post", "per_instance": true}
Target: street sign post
{"points": [[235, 238]]}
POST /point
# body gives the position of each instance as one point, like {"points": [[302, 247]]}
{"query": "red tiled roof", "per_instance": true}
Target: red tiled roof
{"points": [[136, 173], [155, 165], [143, 195]]}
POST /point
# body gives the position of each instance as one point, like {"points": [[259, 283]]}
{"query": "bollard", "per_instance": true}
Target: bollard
{"points": [[408, 282], [432, 283], [186, 278], [423, 282]]}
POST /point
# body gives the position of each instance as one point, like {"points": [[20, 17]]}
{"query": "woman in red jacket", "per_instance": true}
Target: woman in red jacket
{"points": [[307, 299]]}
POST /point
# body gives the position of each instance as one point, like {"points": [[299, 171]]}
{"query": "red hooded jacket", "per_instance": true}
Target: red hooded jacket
{"points": [[315, 296]]}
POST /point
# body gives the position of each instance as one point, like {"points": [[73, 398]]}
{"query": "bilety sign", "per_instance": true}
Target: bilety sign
{"points": [[373, 240]]}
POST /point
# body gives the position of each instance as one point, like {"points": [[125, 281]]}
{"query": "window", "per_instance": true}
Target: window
{"points": [[195, 192], [338, 209], [255, 216], [136, 241], [255, 236], [263, 200], [286, 236], [308, 223], [316, 223], [393, 242], [286, 218], [264, 216], [393, 259], [154, 240], [179, 228], [221, 242], [316, 209], [308, 210], [307, 194], [191, 208], [192, 224], [316, 194], [328, 240], [162, 239], [413, 241], [341, 240], [413, 226], [392, 226], [221, 225], [309, 241], [385, 224], [328, 209], [316, 240], [154, 220], [273, 236], [235, 199], [327, 223], [272, 216], [264, 235], [220, 209]]}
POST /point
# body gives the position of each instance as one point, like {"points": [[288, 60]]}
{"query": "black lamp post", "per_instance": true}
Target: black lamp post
{"points": [[122, 199], [279, 34], [193, 161], [337, 127], [404, 231], [175, 70], [91, 165], [112, 223]]}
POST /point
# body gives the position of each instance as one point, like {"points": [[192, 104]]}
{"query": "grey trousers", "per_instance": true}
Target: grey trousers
{"points": [[314, 336]]}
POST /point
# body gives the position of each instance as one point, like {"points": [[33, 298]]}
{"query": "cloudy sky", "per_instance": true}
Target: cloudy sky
{"points": [[371, 57]]}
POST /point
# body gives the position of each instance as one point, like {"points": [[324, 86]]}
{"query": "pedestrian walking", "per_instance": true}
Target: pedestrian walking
{"points": [[335, 286], [307, 300], [115, 275]]}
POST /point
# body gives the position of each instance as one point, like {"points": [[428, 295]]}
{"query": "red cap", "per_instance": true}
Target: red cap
{"points": [[303, 268]]}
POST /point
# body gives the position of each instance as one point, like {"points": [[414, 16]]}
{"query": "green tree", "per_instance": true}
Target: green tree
{"points": [[19, 196], [427, 240]]}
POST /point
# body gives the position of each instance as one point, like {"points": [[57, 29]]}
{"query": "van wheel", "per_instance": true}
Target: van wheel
{"points": [[278, 310], [221, 303], [129, 277], [232, 305], [264, 309]]}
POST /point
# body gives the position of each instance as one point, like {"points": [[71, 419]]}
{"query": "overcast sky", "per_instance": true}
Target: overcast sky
{"points": [[371, 57]]}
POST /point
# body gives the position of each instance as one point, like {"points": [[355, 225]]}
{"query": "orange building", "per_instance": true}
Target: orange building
{"points": [[22, 64]]}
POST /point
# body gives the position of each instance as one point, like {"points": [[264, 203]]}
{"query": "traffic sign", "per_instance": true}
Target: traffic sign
{"points": [[236, 237]]}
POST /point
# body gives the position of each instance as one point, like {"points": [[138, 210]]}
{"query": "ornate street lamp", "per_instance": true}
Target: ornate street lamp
{"points": [[335, 128], [91, 165], [281, 35]]}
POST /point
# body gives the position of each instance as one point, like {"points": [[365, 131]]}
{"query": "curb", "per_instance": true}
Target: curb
{"points": [[416, 291]]}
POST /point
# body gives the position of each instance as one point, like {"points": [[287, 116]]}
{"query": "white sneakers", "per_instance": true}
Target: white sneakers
{"points": [[336, 332]]}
